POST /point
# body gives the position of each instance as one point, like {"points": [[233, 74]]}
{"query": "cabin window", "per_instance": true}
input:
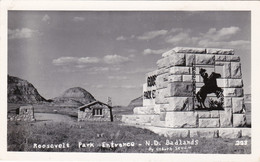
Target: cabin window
{"points": [[97, 112]]}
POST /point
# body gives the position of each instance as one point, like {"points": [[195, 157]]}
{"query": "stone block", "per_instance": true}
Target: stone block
{"points": [[239, 120], [187, 78], [238, 105], [222, 83], [180, 89], [157, 109], [236, 70], [163, 63], [190, 59], [235, 83], [180, 70], [246, 132], [199, 85], [225, 118], [162, 116], [143, 110], [158, 124], [189, 50], [137, 119], [208, 133], [181, 119], [233, 92], [227, 102], [220, 51], [230, 133], [209, 123], [220, 57], [168, 53], [224, 70], [160, 97], [175, 78], [233, 58], [163, 71], [177, 60], [204, 114], [180, 104], [214, 114], [205, 59], [177, 133], [161, 81], [148, 102]]}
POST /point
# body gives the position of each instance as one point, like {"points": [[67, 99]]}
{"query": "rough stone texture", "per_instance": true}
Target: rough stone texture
{"points": [[230, 133], [227, 102], [181, 119], [168, 53], [25, 113], [137, 119], [226, 117], [180, 70], [161, 95], [162, 71], [208, 133], [161, 81], [162, 63], [209, 123], [180, 104], [187, 78], [180, 89], [175, 78], [220, 51], [143, 110], [233, 92], [236, 70], [220, 57], [235, 83], [224, 69], [233, 58], [177, 133], [204, 114], [205, 59], [190, 58], [157, 109], [238, 104], [239, 120], [215, 114], [189, 50], [246, 132], [222, 83], [172, 60]]}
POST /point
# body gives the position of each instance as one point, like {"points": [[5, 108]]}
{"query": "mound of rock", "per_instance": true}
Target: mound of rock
{"points": [[74, 97], [21, 91]]}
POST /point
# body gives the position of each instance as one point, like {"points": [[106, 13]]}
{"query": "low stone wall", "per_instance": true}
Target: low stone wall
{"points": [[24, 113]]}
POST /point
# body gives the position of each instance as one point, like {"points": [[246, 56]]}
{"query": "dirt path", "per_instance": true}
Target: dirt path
{"points": [[52, 117]]}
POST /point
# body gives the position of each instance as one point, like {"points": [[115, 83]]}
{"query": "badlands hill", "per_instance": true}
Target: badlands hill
{"points": [[76, 96], [136, 102], [21, 91]]}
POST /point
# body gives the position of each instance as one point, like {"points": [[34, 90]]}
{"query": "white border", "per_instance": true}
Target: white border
{"points": [[253, 6]]}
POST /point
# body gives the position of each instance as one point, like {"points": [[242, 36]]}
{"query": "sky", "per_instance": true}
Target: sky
{"points": [[108, 53]]}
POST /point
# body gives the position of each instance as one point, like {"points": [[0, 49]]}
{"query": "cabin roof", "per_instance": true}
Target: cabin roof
{"points": [[93, 103]]}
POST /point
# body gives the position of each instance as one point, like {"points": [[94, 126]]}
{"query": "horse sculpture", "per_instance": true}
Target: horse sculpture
{"points": [[210, 86]]}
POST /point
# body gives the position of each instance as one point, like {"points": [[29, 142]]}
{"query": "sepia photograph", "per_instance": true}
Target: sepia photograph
{"points": [[120, 81]]}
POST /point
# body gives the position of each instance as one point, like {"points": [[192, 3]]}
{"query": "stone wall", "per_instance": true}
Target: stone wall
{"points": [[24, 113], [178, 80]]}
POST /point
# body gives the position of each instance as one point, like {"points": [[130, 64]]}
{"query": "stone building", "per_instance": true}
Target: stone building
{"points": [[24, 113], [170, 92], [95, 111]]}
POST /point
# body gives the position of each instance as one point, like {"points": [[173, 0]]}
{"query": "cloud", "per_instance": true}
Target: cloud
{"points": [[211, 38], [143, 70], [152, 34], [78, 19], [156, 52], [121, 38], [75, 60], [46, 18], [117, 77], [115, 59], [23, 33]]}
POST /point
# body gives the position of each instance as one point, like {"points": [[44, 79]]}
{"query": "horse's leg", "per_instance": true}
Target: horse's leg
{"points": [[199, 98], [203, 99]]}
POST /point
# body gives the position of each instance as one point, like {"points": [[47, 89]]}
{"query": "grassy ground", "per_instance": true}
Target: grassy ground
{"points": [[23, 136]]}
